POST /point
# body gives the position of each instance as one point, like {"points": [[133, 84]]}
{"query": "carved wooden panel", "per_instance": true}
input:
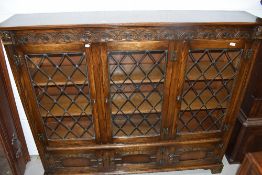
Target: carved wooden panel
{"points": [[136, 157], [91, 160], [192, 154], [130, 34]]}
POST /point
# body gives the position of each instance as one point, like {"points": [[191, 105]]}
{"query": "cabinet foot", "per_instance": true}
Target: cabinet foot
{"points": [[217, 169]]}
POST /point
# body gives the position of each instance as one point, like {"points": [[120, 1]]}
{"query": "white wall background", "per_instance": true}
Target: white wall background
{"points": [[11, 7]]}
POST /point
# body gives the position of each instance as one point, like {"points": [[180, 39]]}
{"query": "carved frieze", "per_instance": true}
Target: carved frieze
{"points": [[133, 34]]}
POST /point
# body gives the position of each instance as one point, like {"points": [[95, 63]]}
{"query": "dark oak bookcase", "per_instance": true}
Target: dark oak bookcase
{"points": [[132, 93]]}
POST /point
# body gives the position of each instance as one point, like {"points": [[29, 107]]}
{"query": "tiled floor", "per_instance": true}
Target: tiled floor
{"points": [[34, 167]]}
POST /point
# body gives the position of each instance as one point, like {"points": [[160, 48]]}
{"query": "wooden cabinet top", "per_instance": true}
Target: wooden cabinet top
{"points": [[127, 18]]}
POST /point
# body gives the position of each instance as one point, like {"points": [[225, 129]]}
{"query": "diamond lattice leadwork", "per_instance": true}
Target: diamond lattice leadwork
{"points": [[136, 79], [210, 76], [61, 87]]}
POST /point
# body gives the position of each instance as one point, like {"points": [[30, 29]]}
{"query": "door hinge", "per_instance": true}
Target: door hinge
{"points": [[162, 152], [162, 149], [173, 56], [40, 137], [165, 132], [226, 127], [14, 139], [17, 60], [248, 54]]}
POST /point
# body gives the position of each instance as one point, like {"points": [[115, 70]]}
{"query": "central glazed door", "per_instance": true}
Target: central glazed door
{"points": [[135, 78]]}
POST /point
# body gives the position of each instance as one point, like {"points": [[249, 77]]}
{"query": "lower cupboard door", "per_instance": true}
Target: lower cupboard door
{"points": [[136, 159], [130, 160], [192, 154], [67, 163]]}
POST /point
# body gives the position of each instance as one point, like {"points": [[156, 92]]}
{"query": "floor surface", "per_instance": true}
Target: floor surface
{"points": [[34, 167]]}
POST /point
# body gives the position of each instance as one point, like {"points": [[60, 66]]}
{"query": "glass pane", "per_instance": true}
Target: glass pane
{"points": [[210, 78], [136, 85], [61, 86]]}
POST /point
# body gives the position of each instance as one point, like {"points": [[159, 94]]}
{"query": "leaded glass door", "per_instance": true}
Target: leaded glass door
{"points": [[60, 82], [138, 81], [210, 75]]}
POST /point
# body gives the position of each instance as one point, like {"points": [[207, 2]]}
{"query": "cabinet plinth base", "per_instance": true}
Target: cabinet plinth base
{"points": [[214, 168]]}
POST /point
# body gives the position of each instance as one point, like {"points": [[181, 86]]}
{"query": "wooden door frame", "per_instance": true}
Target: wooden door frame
{"points": [[5, 139], [22, 78], [62, 48], [241, 86], [202, 44], [103, 70]]}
